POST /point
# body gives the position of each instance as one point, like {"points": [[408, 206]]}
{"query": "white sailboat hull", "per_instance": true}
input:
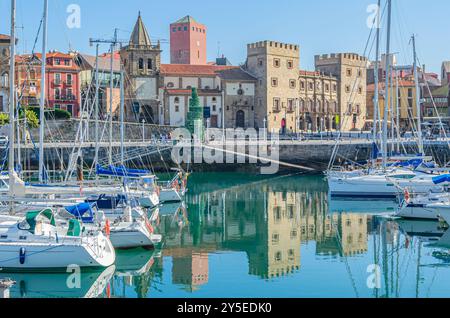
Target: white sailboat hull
{"points": [[170, 195], [44, 256], [380, 186], [149, 201]]}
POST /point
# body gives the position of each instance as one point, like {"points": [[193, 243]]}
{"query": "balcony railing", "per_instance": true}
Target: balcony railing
{"points": [[66, 98], [68, 83], [57, 82]]}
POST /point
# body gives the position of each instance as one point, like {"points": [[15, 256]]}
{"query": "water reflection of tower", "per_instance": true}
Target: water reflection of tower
{"points": [[190, 270], [277, 251], [347, 235]]}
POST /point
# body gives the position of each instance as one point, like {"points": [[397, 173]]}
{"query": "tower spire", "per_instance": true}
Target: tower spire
{"points": [[140, 37]]}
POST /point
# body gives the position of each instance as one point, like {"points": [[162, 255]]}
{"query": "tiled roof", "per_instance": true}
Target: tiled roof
{"points": [[4, 37], [237, 74], [193, 70], [103, 62], [186, 19]]}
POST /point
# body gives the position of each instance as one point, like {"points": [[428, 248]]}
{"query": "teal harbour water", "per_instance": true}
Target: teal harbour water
{"points": [[239, 235]]}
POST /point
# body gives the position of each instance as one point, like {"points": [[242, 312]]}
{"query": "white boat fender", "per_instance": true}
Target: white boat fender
{"points": [[22, 255]]}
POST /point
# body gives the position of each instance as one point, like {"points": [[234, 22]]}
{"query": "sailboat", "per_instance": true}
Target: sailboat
{"points": [[387, 182], [35, 242]]}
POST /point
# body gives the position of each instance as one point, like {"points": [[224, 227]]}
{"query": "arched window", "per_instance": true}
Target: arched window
{"points": [[302, 105], [141, 64], [150, 64], [327, 106], [318, 106]]}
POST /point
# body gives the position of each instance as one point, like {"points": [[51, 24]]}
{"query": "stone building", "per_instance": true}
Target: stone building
{"points": [[5, 42], [318, 102], [276, 66], [406, 96], [217, 87], [302, 100], [88, 81], [142, 62], [351, 70], [176, 88], [239, 98], [28, 78], [188, 42]]}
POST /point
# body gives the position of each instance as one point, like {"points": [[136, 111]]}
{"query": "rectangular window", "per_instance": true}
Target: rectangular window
{"points": [[276, 62], [292, 83], [150, 64], [274, 82], [360, 90], [177, 108], [290, 106], [310, 86], [67, 62], [260, 62], [347, 88], [276, 104], [185, 28], [334, 88], [57, 78], [70, 109], [290, 64], [302, 85], [57, 106], [349, 72], [69, 79], [174, 29], [327, 87]]}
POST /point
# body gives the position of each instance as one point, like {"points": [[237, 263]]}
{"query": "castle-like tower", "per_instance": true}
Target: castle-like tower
{"points": [[188, 42], [351, 72], [276, 66], [142, 62]]}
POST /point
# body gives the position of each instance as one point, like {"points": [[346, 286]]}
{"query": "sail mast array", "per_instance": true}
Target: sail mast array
{"points": [[418, 108], [42, 173], [386, 86], [12, 96]]}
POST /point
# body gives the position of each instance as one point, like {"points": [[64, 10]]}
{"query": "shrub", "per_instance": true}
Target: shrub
{"points": [[58, 114], [4, 119], [32, 119]]}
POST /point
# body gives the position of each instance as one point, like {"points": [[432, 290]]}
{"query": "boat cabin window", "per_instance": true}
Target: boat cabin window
{"points": [[402, 176], [3, 237]]}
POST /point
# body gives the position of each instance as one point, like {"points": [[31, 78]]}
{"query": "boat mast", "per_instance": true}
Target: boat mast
{"points": [[122, 106], [386, 87], [376, 99], [97, 83], [11, 102], [418, 110], [397, 111], [42, 100], [111, 87]]}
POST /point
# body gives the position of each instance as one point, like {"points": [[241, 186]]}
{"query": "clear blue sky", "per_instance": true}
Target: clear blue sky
{"points": [[320, 26]]}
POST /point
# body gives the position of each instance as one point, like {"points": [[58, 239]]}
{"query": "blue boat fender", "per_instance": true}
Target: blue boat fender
{"points": [[22, 255]]}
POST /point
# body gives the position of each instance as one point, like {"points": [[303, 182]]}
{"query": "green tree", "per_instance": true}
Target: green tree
{"points": [[32, 119]]}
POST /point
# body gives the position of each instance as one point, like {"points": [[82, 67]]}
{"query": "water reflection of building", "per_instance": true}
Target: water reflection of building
{"points": [[278, 249], [346, 235], [191, 270], [267, 220]]}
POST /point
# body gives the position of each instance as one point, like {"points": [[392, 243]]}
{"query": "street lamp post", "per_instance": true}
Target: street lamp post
{"points": [[265, 128], [143, 130]]}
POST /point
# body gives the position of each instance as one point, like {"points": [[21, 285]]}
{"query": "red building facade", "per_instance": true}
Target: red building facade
{"points": [[188, 42], [63, 83]]}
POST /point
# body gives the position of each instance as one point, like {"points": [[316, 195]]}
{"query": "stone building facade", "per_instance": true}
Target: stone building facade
{"points": [[4, 71], [239, 89], [300, 100], [142, 61], [318, 102], [276, 66], [351, 72]]}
